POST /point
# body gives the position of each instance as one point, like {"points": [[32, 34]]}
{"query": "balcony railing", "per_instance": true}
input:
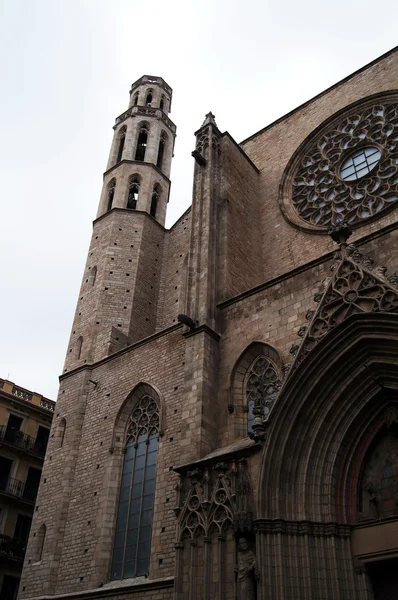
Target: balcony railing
{"points": [[23, 394], [18, 489], [47, 404], [23, 441], [12, 547]]}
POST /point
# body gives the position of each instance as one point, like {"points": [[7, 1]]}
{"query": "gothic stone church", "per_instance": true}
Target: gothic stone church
{"points": [[227, 421]]}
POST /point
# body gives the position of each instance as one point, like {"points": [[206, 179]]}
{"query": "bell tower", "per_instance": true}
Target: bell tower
{"points": [[138, 170], [119, 293]]}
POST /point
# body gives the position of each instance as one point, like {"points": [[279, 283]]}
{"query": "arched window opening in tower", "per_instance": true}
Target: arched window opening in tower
{"points": [[155, 199], [111, 193], [142, 143], [162, 103], [162, 143], [137, 492], [122, 139], [132, 197], [136, 99], [148, 101]]}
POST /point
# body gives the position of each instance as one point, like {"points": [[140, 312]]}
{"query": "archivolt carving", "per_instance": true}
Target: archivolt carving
{"points": [[353, 289], [215, 499], [320, 194]]}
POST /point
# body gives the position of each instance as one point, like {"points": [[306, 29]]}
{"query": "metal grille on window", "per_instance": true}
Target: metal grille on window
{"points": [[134, 521], [262, 385]]}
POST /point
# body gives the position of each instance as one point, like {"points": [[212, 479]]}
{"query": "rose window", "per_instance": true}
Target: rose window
{"points": [[349, 173]]}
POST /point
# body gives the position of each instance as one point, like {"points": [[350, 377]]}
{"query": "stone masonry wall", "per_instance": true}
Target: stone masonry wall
{"points": [[274, 316], [126, 250], [172, 293], [285, 246], [241, 262], [91, 481]]}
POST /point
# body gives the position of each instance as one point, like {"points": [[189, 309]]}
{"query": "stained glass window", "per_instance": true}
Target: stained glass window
{"points": [[360, 163], [137, 492]]}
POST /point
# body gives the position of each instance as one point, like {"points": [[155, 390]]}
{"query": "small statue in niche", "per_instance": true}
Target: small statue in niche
{"points": [[247, 571]]}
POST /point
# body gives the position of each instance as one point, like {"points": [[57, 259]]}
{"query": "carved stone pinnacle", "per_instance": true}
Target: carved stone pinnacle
{"points": [[209, 120]]}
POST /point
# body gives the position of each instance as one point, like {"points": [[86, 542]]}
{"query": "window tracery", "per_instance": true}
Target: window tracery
{"points": [[134, 520], [322, 194], [262, 385]]}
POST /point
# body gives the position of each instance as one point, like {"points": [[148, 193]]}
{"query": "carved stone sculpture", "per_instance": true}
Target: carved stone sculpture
{"points": [[247, 571]]}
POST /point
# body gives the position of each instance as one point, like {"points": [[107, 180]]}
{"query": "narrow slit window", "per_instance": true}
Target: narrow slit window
{"points": [[79, 347], [93, 275], [136, 99], [162, 103]]}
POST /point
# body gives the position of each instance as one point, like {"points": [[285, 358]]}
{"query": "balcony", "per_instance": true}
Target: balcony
{"points": [[18, 489], [22, 441], [12, 548]]}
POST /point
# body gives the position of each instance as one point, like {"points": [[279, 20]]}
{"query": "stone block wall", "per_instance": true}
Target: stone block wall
{"points": [[271, 149]]}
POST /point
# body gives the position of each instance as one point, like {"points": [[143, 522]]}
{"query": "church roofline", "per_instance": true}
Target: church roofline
{"points": [[335, 85]]}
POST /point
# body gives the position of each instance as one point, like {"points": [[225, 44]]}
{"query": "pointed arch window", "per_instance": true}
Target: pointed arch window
{"points": [[142, 142], [155, 199], [261, 387], [162, 143], [134, 188], [162, 102], [111, 193], [122, 139], [136, 99], [148, 101], [134, 519]]}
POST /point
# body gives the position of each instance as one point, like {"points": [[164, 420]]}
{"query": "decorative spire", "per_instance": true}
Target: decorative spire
{"points": [[209, 120]]}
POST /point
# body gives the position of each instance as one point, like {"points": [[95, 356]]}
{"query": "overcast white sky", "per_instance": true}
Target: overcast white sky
{"points": [[66, 69]]}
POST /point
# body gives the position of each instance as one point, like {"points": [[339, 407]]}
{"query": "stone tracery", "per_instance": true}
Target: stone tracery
{"points": [[144, 420], [262, 386], [322, 197], [352, 290]]}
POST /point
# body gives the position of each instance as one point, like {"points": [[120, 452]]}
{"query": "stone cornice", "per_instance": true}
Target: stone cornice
{"points": [[132, 347], [137, 162], [203, 328], [312, 528], [131, 212]]}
